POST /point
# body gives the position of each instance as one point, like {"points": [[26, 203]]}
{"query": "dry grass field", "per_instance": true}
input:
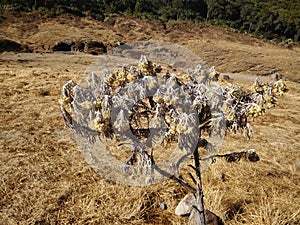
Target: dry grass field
{"points": [[44, 178]]}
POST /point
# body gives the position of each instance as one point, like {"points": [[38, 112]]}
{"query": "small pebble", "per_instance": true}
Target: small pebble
{"points": [[163, 206]]}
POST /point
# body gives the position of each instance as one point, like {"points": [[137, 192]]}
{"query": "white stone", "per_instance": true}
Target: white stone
{"points": [[185, 206]]}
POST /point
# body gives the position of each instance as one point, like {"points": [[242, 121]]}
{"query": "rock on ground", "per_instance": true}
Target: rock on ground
{"points": [[87, 46], [185, 206], [7, 45]]}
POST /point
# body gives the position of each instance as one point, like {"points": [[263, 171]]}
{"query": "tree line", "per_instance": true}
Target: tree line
{"points": [[273, 19]]}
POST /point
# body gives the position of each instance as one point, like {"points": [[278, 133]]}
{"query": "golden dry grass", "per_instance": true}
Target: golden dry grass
{"points": [[45, 180]]}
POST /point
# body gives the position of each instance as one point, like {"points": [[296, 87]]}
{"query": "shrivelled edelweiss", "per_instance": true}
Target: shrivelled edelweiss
{"points": [[132, 103]]}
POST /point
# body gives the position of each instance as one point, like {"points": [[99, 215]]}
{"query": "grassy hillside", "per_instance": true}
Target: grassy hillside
{"points": [[270, 19]]}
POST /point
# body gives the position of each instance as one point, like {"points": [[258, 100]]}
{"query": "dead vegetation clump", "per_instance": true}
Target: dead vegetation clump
{"points": [[88, 111]]}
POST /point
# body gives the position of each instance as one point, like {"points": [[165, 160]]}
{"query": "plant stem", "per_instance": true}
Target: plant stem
{"points": [[173, 177], [197, 216]]}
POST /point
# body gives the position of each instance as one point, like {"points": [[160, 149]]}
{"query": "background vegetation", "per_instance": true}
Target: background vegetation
{"points": [[273, 19]]}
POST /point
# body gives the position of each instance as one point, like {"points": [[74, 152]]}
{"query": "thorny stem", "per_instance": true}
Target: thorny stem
{"points": [[251, 155], [183, 182], [197, 216], [173, 177]]}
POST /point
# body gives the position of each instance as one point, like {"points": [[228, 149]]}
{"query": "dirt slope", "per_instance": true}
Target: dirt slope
{"points": [[45, 180], [223, 48]]}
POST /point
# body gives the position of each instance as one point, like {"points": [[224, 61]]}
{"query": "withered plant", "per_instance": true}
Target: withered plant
{"points": [[147, 105]]}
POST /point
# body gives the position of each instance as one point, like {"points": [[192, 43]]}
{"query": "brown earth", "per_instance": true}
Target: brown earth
{"points": [[44, 178]]}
